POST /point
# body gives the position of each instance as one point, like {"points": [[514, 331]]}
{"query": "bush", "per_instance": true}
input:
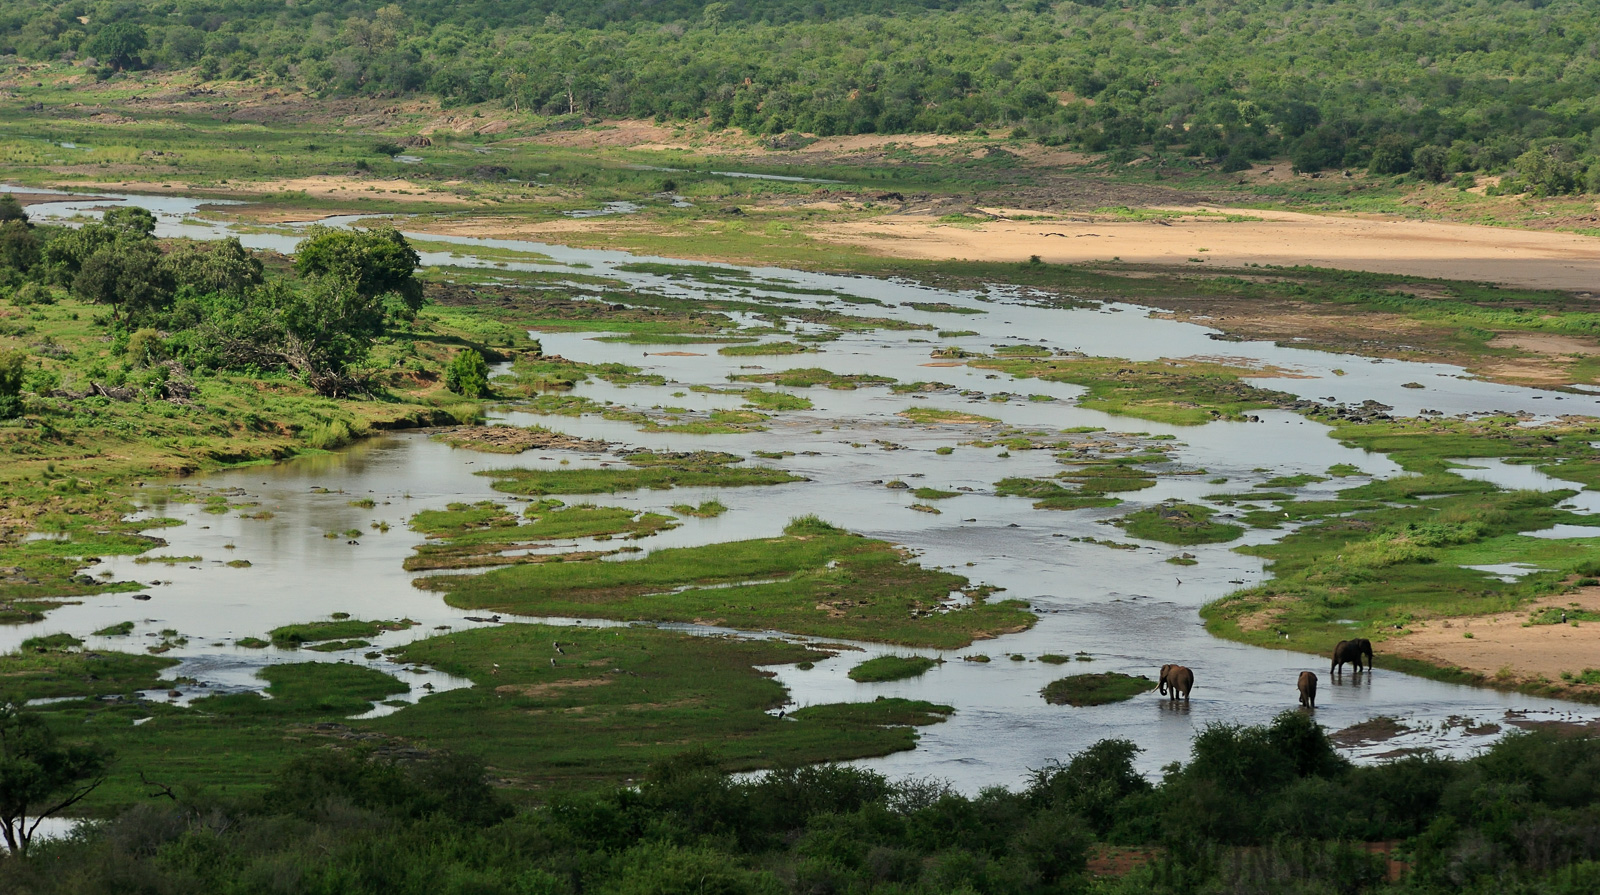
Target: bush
{"points": [[13, 372], [468, 375]]}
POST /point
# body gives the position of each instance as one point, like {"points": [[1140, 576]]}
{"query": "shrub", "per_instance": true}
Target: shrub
{"points": [[468, 375]]}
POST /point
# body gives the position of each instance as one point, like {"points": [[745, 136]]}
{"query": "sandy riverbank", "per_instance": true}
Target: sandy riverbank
{"points": [[1502, 645], [1528, 258]]}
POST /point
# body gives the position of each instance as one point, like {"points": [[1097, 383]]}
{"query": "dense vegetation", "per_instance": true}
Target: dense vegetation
{"points": [[1255, 809], [181, 307], [1388, 85]]}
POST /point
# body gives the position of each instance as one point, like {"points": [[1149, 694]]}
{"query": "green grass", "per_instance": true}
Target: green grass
{"points": [[815, 579], [1096, 689], [477, 535], [708, 509], [67, 673], [766, 348], [934, 415], [618, 699], [1049, 495], [891, 668], [808, 377], [1179, 524], [344, 629], [1183, 393], [933, 494], [765, 400], [657, 472], [117, 630], [1375, 570], [871, 717]]}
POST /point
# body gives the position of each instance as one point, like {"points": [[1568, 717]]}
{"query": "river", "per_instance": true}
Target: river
{"points": [[1130, 610]]}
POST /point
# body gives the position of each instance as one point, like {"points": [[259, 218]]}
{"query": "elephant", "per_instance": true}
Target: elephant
{"points": [[1351, 651], [1179, 678], [1308, 690]]}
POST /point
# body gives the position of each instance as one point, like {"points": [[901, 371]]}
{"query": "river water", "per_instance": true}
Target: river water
{"points": [[1130, 610]]}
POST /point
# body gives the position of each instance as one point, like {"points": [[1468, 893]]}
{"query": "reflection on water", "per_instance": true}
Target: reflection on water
{"points": [[1130, 610]]}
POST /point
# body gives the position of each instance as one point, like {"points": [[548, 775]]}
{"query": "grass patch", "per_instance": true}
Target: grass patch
{"points": [[117, 630], [1179, 523], [652, 471], [484, 534], [1050, 495], [291, 636], [1179, 392], [708, 509], [808, 377], [935, 415], [759, 349], [815, 579], [1096, 689], [60, 673], [891, 668], [765, 400]]}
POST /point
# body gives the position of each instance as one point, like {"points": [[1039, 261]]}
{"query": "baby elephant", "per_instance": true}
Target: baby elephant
{"points": [[1308, 690], [1179, 678]]}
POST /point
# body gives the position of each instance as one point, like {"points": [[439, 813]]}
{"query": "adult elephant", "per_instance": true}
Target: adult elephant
{"points": [[1176, 679], [1351, 651], [1308, 690]]}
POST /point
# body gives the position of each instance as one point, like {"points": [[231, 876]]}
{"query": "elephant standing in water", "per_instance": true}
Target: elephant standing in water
{"points": [[1308, 690], [1351, 651], [1179, 678]]}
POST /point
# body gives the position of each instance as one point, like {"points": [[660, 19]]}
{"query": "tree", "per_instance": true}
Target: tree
{"points": [[19, 248], [129, 275], [118, 45], [468, 375], [40, 777], [13, 371], [1390, 155], [11, 209], [1430, 162], [131, 219], [224, 266], [372, 262], [318, 330]]}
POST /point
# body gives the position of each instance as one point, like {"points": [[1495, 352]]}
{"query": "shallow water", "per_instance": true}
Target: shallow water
{"points": [[1130, 609]]}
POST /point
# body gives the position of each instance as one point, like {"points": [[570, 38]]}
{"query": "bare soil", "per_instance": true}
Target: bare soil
{"points": [[1503, 649], [1531, 259]]}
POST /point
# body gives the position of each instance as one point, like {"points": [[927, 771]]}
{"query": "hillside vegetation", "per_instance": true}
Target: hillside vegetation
{"points": [[1392, 86]]}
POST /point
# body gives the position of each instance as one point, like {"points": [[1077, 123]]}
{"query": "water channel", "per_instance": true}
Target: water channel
{"points": [[1129, 609]]}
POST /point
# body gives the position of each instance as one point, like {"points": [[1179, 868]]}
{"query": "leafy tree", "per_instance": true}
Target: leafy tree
{"points": [[39, 777], [11, 209], [223, 266], [129, 275], [131, 219], [1390, 155], [19, 247], [468, 375], [320, 330], [118, 45], [1430, 163], [372, 262], [13, 373]]}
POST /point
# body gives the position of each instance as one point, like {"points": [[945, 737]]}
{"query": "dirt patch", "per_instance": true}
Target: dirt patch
{"points": [[26, 199], [1503, 649], [547, 689], [1546, 363], [1533, 259], [318, 187], [1113, 861]]}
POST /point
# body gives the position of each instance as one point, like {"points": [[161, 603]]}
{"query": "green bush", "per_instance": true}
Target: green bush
{"points": [[468, 375]]}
